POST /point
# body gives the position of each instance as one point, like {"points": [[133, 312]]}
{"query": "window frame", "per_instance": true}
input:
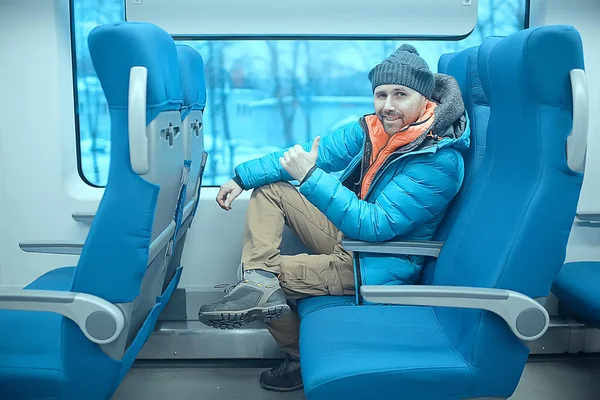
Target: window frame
{"points": [[180, 38], [75, 88]]}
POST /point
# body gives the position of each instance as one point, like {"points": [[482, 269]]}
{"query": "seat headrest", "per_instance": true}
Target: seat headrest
{"points": [[478, 96], [116, 48], [550, 82], [457, 67], [444, 61], [191, 75], [539, 73], [483, 55]]}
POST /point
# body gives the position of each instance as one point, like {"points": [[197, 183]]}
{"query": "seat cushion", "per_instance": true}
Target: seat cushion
{"points": [[310, 304], [576, 285], [30, 355], [30, 345], [348, 352]]}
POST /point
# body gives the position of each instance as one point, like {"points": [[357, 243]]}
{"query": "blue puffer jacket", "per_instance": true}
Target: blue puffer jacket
{"points": [[407, 198]]}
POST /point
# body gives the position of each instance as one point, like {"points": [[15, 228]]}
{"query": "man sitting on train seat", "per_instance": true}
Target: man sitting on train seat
{"points": [[402, 166]]}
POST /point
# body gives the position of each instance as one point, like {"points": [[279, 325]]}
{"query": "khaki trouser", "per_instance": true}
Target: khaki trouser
{"points": [[328, 272]]}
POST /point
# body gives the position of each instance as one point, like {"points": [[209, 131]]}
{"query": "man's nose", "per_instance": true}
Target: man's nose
{"points": [[389, 105]]}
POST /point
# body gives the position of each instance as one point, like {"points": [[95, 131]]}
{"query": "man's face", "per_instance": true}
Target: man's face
{"points": [[397, 106]]}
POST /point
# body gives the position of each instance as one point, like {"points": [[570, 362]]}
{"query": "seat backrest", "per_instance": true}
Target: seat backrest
{"points": [[512, 229], [456, 64], [124, 257], [443, 62], [193, 88], [478, 104], [193, 84]]}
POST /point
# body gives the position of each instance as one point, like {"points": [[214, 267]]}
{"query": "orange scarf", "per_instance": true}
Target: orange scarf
{"points": [[384, 145]]}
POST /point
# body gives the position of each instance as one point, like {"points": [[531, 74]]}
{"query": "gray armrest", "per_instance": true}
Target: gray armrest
{"points": [[75, 247], [84, 217], [527, 318], [589, 216], [100, 321], [415, 248], [52, 247]]}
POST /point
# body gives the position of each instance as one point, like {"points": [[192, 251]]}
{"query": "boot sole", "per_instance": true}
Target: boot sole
{"points": [[237, 319], [279, 389]]}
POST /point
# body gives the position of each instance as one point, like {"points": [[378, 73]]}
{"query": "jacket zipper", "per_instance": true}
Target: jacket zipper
{"points": [[359, 157], [368, 149], [404, 150], [398, 154]]}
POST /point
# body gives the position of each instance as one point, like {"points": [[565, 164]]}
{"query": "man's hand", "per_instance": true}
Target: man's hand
{"points": [[298, 162], [227, 193]]}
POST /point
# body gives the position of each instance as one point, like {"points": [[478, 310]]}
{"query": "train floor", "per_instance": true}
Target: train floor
{"points": [[554, 378]]}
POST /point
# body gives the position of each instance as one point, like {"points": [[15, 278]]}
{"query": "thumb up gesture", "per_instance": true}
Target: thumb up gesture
{"points": [[297, 162]]}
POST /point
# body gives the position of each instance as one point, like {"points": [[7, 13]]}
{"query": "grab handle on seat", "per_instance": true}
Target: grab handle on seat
{"points": [[577, 140], [138, 142]]}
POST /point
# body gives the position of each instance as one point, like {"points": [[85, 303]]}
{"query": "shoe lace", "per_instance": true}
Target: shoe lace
{"points": [[284, 367], [228, 287]]}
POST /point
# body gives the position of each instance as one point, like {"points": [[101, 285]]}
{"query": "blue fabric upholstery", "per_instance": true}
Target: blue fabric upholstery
{"points": [[310, 304], [457, 67], [576, 285], [379, 352], [464, 67], [455, 64], [193, 84], [483, 56], [46, 356], [480, 113], [30, 361], [510, 231], [193, 89], [115, 48], [30, 354], [443, 63]]}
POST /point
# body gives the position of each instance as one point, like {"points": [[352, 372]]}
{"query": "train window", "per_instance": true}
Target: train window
{"points": [[263, 95]]}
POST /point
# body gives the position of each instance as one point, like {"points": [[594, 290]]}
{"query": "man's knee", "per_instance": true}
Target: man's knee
{"points": [[274, 188], [272, 191]]}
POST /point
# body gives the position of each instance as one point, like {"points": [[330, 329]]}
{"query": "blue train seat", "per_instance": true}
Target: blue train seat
{"points": [[74, 332], [443, 62], [464, 67], [576, 286], [193, 87], [460, 337]]}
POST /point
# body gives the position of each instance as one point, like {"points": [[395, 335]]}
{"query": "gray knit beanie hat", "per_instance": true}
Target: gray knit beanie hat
{"points": [[405, 68]]}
